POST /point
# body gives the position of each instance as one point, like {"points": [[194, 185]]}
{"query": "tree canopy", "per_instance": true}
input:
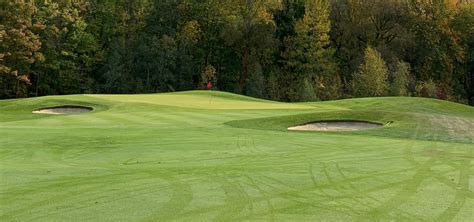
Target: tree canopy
{"points": [[287, 50]]}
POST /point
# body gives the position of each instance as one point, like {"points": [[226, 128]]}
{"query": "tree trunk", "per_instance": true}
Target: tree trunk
{"points": [[470, 83], [17, 88], [148, 77], [245, 68], [37, 83]]}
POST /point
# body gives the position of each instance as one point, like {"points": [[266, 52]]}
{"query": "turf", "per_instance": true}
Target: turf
{"points": [[218, 156]]}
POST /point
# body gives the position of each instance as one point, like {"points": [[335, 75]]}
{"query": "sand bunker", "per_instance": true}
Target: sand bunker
{"points": [[62, 110], [336, 126]]}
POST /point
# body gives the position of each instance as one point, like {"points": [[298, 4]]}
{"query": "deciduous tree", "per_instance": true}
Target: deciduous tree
{"points": [[19, 46], [372, 76]]}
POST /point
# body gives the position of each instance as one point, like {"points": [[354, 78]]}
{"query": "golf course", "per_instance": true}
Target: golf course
{"points": [[206, 155]]}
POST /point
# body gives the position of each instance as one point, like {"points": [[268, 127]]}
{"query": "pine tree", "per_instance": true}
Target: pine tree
{"points": [[371, 78], [308, 55]]}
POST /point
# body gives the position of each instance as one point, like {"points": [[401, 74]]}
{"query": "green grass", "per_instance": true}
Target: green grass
{"points": [[217, 156]]}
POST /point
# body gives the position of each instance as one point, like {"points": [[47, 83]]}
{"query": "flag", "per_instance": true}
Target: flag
{"points": [[209, 85]]}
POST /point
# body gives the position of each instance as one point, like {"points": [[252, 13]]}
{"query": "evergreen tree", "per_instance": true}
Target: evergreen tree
{"points": [[309, 56]]}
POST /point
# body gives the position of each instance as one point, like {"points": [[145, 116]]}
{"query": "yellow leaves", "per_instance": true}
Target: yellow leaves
{"points": [[55, 30], [19, 43], [452, 4], [265, 17], [39, 26], [208, 74], [20, 77], [4, 69], [70, 15], [39, 57], [66, 53], [191, 32], [2, 33]]}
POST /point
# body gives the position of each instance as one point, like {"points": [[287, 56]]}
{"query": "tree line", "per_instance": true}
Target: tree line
{"points": [[286, 50]]}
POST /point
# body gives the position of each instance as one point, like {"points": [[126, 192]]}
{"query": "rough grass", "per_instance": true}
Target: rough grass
{"points": [[218, 156]]}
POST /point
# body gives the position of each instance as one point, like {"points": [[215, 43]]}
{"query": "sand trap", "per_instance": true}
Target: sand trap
{"points": [[62, 110], [336, 126]]}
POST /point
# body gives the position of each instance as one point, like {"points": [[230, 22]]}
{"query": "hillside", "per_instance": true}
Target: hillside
{"points": [[202, 155]]}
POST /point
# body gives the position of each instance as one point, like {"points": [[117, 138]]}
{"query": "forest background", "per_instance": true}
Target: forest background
{"points": [[285, 50]]}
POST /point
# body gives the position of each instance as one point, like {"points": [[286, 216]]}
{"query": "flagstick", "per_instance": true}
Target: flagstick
{"points": [[209, 88], [210, 97]]}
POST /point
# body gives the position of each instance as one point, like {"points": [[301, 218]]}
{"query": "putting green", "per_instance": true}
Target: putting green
{"points": [[218, 156]]}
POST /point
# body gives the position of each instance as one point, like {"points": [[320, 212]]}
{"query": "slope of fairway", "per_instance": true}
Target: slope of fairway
{"points": [[218, 156]]}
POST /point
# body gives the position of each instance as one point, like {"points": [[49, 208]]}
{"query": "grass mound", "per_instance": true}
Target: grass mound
{"points": [[217, 156]]}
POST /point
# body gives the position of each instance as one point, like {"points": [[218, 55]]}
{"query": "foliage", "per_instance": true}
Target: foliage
{"points": [[70, 50], [19, 46], [357, 24], [372, 76], [438, 53], [328, 87], [427, 89], [208, 74], [463, 24], [249, 30], [288, 50], [401, 77], [308, 55]]}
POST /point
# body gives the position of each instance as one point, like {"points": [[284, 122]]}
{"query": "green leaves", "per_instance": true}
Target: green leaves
{"points": [[372, 76], [399, 85], [308, 55], [69, 48], [283, 50]]}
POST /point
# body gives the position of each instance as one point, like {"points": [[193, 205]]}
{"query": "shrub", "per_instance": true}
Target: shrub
{"points": [[399, 86], [427, 89], [329, 88]]}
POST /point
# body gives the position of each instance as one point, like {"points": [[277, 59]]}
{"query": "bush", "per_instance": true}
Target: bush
{"points": [[306, 90], [329, 88], [399, 86], [427, 89]]}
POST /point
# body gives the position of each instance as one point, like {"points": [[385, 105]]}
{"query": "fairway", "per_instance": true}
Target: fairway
{"points": [[203, 155]]}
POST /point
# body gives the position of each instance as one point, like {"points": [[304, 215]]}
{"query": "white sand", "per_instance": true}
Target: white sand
{"points": [[336, 126], [63, 110]]}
